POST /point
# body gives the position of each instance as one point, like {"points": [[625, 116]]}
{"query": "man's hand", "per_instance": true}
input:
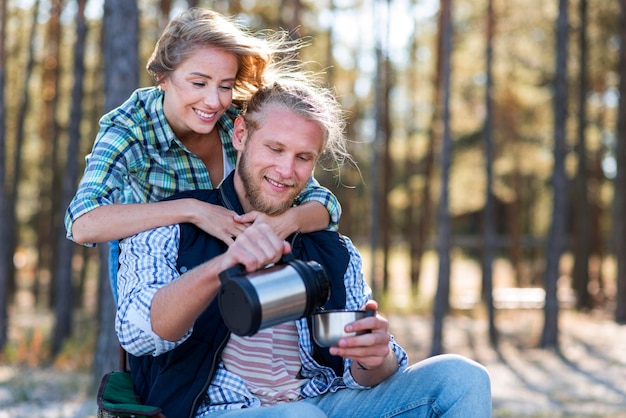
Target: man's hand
{"points": [[255, 248], [373, 360]]}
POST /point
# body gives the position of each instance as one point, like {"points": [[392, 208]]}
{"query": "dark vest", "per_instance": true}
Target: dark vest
{"points": [[177, 381]]}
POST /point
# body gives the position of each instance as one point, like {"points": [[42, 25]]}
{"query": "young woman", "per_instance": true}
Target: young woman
{"points": [[176, 136]]}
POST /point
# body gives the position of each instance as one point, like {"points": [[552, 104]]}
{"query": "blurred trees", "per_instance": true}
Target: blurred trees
{"points": [[121, 78], [557, 231], [582, 229], [508, 138], [442, 296], [620, 180], [489, 220], [5, 248]]}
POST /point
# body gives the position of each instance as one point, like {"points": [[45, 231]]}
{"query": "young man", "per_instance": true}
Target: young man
{"points": [[183, 357]]}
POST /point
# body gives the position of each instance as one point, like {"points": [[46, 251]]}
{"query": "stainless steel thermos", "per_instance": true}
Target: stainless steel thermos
{"points": [[289, 290]]}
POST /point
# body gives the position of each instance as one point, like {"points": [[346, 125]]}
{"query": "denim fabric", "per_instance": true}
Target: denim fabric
{"points": [[114, 255], [449, 386]]}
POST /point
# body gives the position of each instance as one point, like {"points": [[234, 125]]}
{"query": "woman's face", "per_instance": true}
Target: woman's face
{"points": [[199, 91]]}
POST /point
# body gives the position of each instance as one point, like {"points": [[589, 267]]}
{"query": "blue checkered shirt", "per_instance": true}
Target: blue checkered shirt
{"points": [[136, 158], [148, 262]]}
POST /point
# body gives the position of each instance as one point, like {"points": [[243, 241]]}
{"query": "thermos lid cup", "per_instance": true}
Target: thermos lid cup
{"points": [[328, 325]]}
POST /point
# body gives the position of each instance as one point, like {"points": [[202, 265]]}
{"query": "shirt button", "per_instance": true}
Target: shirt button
{"points": [[183, 269]]}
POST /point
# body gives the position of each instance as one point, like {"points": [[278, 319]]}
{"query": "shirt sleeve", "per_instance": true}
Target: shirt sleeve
{"points": [[357, 294], [104, 175], [147, 263], [316, 192]]}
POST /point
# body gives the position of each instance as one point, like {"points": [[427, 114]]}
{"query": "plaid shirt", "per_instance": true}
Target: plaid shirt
{"points": [[136, 158], [148, 262]]}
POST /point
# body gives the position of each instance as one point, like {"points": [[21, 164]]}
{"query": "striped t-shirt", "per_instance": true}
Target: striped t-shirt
{"points": [[268, 362]]}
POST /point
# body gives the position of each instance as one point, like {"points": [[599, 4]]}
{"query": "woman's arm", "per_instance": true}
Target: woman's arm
{"points": [[117, 221], [314, 192]]}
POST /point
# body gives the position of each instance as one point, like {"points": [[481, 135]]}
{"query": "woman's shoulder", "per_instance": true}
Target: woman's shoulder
{"points": [[141, 105], [137, 121]]}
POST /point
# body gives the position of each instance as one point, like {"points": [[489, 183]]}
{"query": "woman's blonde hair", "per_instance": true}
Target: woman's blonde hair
{"points": [[198, 28]]}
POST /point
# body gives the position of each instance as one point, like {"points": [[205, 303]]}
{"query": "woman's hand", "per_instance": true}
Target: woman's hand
{"points": [[308, 217], [217, 221], [283, 225]]}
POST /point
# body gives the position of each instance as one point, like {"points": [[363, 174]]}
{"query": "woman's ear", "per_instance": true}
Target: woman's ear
{"points": [[240, 133], [162, 81]]}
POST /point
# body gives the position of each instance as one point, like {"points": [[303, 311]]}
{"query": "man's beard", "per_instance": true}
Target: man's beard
{"points": [[254, 195]]}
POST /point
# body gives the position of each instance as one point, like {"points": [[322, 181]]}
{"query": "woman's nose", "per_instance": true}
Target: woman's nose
{"points": [[211, 98]]}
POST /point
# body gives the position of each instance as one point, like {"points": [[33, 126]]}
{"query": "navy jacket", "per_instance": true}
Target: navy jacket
{"points": [[177, 381]]}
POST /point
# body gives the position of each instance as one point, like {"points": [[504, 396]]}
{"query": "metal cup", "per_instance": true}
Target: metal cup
{"points": [[329, 325]]}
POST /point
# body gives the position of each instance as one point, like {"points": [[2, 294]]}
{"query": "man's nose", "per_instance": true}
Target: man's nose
{"points": [[286, 166]]}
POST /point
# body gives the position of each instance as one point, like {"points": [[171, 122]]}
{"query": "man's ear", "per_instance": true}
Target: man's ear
{"points": [[240, 133]]}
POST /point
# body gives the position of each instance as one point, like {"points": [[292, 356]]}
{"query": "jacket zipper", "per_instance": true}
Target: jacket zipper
{"points": [[203, 392]]}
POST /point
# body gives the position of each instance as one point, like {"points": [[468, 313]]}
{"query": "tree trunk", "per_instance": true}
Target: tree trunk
{"points": [[582, 210], [489, 220], [5, 248], [513, 226], [411, 224], [419, 240], [557, 233], [64, 251], [443, 218], [377, 168], [121, 64], [165, 7], [49, 133], [384, 127], [619, 224], [12, 181], [290, 17]]}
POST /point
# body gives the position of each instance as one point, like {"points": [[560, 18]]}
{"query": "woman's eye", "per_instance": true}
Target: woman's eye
{"points": [[226, 88], [198, 84]]}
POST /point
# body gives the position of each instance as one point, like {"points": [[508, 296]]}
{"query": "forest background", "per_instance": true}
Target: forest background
{"points": [[487, 133]]}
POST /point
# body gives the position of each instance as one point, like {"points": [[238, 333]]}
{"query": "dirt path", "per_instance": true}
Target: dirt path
{"points": [[586, 379]]}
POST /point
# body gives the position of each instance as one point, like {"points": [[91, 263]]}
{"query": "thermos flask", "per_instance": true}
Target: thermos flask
{"points": [[288, 290]]}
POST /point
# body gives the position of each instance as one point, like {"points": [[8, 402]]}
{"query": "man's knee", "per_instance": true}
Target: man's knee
{"points": [[454, 371], [471, 371]]}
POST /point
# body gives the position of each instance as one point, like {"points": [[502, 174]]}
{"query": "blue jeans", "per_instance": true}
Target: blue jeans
{"points": [[114, 250], [442, 386]]}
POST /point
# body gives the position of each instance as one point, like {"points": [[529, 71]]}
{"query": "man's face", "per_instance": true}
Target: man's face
{"points": [[276, 160]]}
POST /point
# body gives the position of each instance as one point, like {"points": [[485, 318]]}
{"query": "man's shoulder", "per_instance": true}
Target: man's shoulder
{"points": [[322, 246], [205, 195]]}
